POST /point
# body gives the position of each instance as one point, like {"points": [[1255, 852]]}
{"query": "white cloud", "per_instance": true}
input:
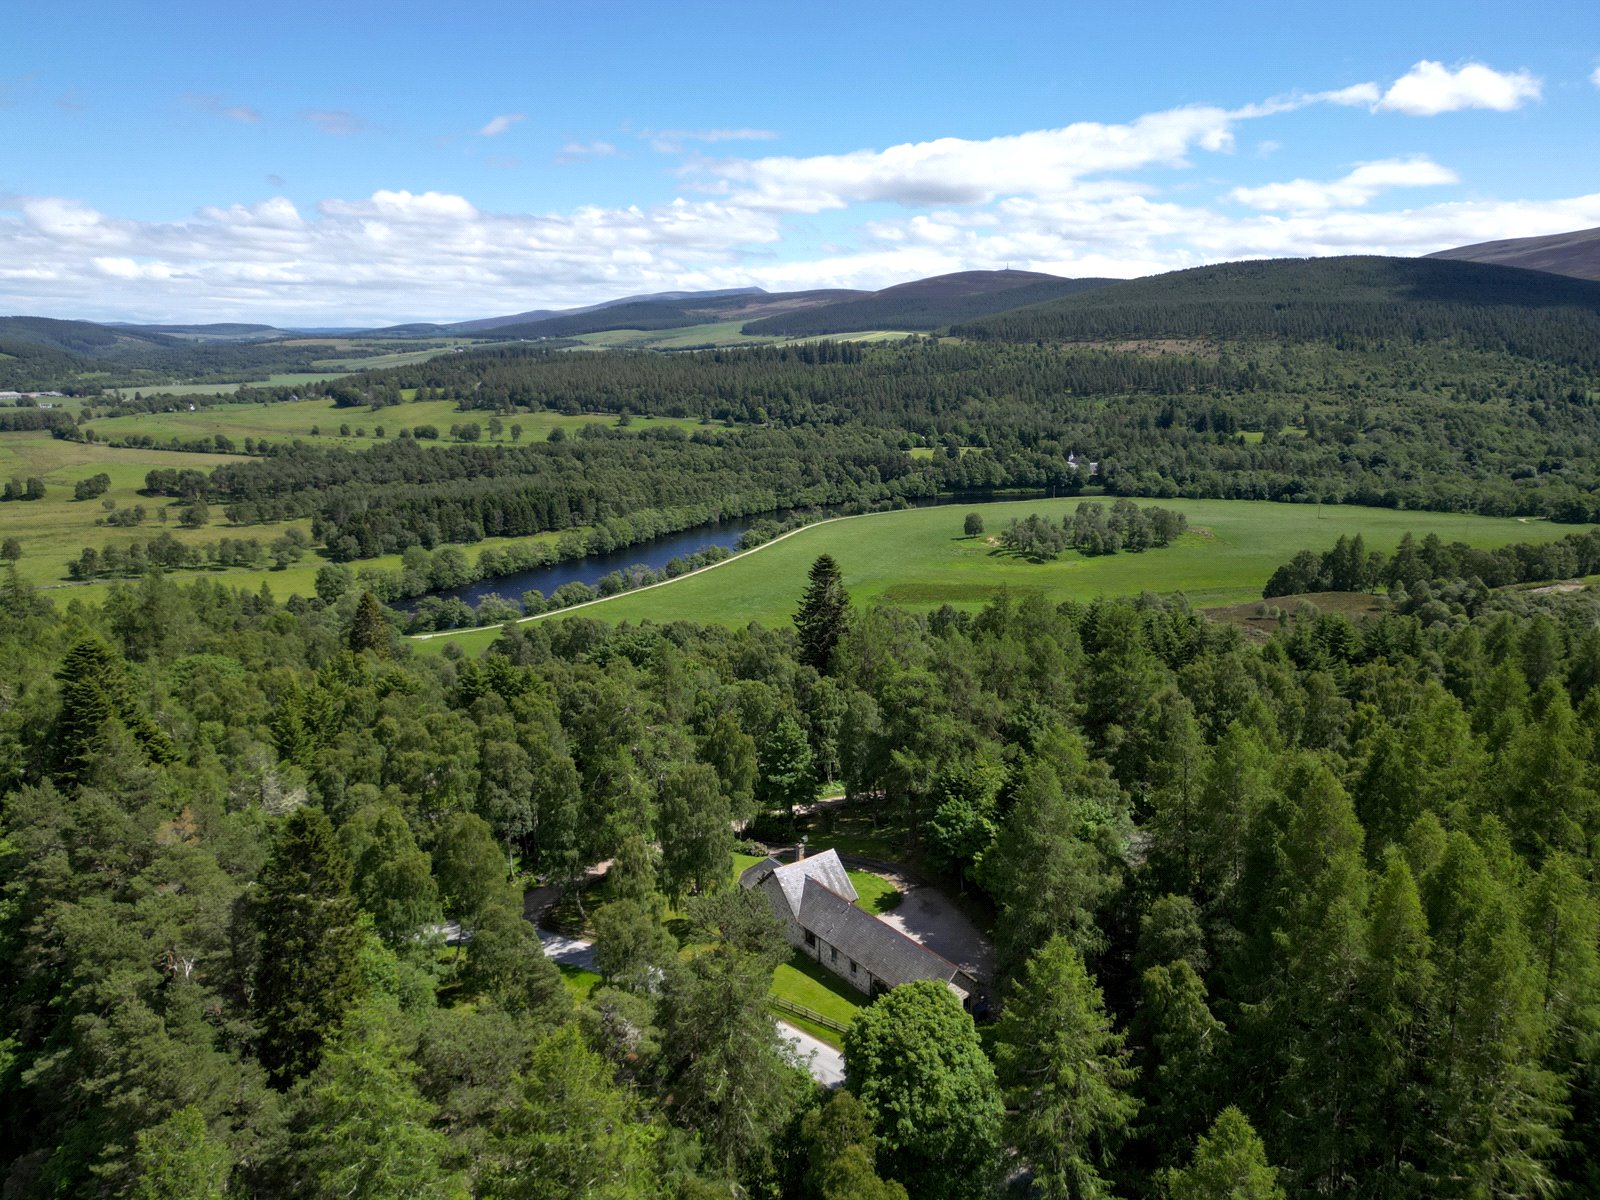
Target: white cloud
{"points": [[1594, 77], [1083, 199], [1431, 88], [670, 141], [962, 171], [584, 151], [1354, 190], [498, 125]]}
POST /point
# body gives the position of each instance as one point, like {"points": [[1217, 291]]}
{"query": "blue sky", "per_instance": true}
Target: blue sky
{"points": [[351, 163]]}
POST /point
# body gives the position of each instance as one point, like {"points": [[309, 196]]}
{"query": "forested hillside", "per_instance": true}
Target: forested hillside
{"points": [[1429, 424], [925, 304], [1320, 910], [1349, 301]]}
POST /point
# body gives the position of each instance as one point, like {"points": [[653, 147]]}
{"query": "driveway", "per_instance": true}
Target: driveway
{"points": [[825, 1064], [568, 951], [924, 915]]}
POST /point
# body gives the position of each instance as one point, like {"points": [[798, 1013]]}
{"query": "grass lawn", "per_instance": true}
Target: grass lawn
{"points": [[874, 893], [579, 980], [808, 984], [919, 559]]}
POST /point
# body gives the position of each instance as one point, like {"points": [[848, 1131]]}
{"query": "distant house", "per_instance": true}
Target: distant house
{"points": [[816, 902]]}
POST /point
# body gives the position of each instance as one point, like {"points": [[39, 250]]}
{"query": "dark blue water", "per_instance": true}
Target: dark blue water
{"points": [[591, 570], [656, 554]]}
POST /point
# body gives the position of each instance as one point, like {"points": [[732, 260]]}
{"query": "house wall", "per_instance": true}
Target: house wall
{"points": [[831, 957]]}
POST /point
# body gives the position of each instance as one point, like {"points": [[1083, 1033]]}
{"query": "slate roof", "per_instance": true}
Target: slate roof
{"points": [[878, 946], [825, 868]]}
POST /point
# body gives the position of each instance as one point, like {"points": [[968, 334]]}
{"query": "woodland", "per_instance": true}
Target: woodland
{"points": [[1298, 907]]}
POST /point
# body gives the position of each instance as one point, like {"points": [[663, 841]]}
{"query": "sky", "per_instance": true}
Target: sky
{"points": [[351, 163]]}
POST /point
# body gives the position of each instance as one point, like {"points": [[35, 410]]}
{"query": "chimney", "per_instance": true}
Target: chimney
{"points": [[800, 850]]}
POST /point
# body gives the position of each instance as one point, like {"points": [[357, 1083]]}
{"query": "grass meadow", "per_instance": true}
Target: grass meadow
{"points": [[297, 418], [919, 559]]}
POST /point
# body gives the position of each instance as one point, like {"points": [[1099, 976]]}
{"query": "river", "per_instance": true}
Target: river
{"points": [[655, 554]]}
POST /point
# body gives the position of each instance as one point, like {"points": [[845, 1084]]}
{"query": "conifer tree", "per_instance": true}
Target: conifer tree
{"points": [[306, 975], [369, 631], [179, 1160], [571, 1131], [824, 609], [1065, 1075], [358, 1130], [1229, 1163]]}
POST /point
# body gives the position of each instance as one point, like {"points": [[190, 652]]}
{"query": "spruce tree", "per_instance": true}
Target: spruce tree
{"points": [[1065, 1075], [307, 974], [369, 631], [824, 610], [358, 1129]]}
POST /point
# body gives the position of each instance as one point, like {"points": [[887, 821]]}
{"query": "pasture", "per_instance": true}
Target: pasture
{"points": [[919, 559], [297, 418]]}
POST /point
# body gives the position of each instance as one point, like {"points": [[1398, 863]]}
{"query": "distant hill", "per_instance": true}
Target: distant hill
{"points": [[1576, 254], [486, 325], [1365, 298], [925, 304], [658, 312], [216, 332], [618, 316]]}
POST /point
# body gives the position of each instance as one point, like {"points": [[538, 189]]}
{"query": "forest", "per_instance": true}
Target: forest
{"points": [[1298, 908], [1319, 910]]}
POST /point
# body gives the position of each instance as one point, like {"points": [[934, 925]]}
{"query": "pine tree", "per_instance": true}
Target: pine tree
{"points": [[369, 631], [824, 609], [306, 975], [178, 1160], [1065, 1075], [571, 1131]]}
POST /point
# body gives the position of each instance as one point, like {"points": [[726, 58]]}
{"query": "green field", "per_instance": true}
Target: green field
{"points": [[331, 367], [297, 418], [918, 559], [55, 529]]}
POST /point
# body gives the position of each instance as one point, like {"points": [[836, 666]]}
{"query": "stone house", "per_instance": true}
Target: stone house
{"points": [[817, 904]]}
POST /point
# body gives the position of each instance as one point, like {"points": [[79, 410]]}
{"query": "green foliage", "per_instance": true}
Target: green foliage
{"points": [[305, 977], [914, 1060], [824, 609], [178, 1160], [1065, 1075], [571, 1131], [369, 630], [1229, 1164], [357, 1128], [721, 1056]]}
